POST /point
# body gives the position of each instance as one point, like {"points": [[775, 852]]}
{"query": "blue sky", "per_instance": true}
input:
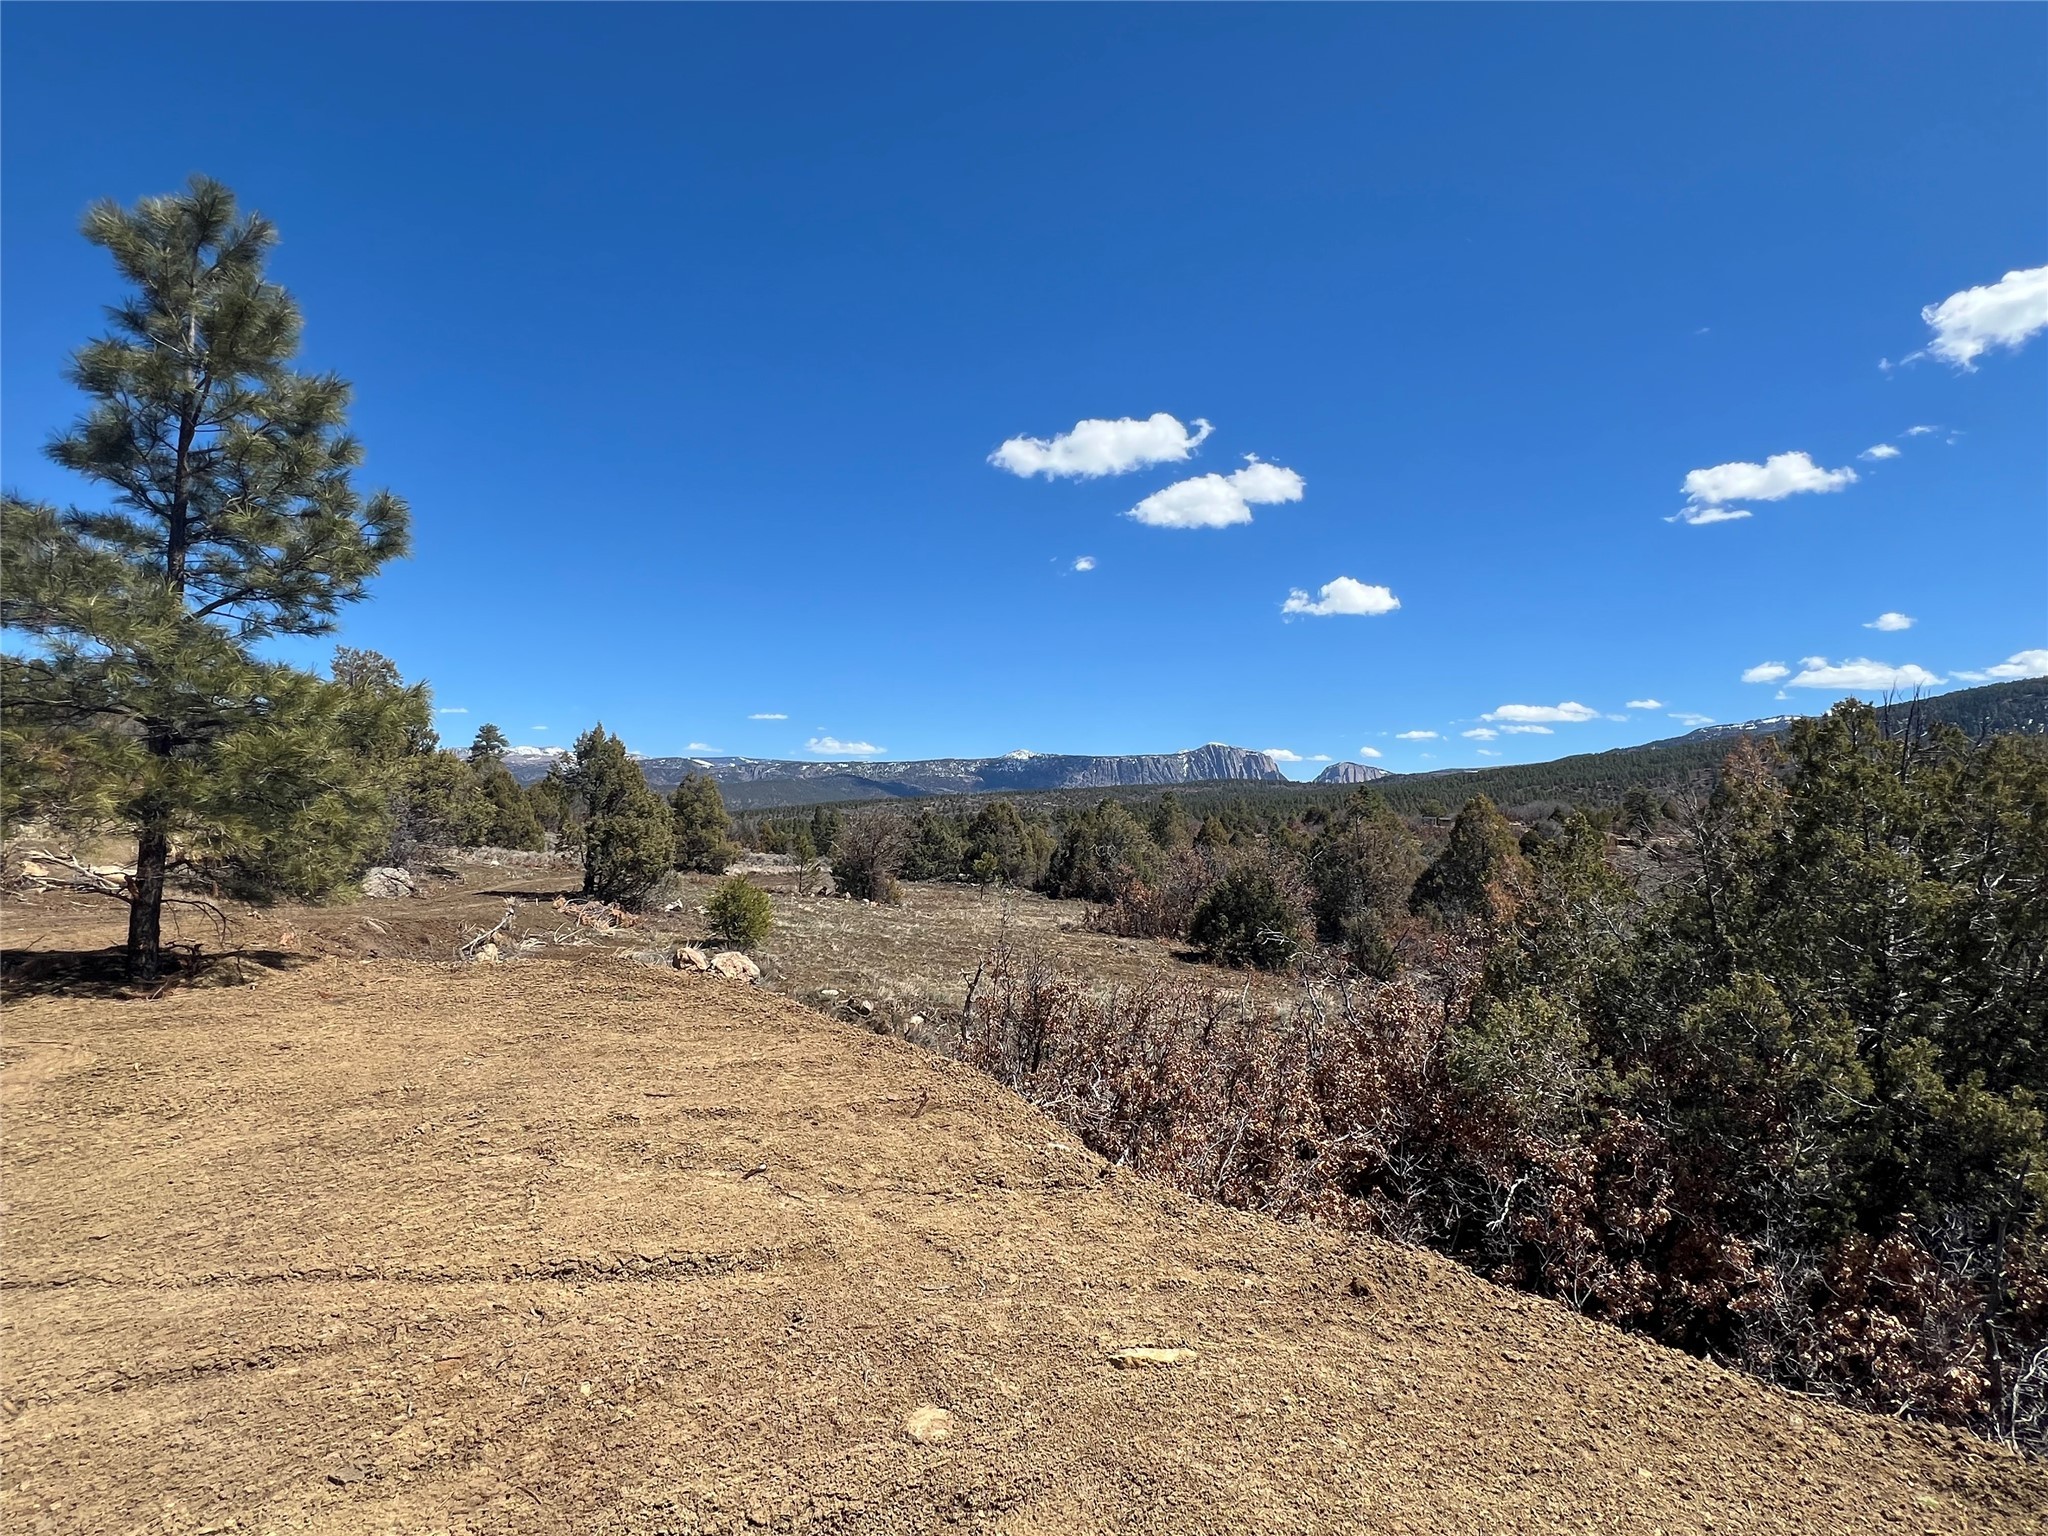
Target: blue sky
{"points": [[690, 332]]}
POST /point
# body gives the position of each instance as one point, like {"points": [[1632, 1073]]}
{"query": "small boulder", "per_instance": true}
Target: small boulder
{"points": [[864, 1008], [388, 881], [485, 954], [928, 1425], [735, 966], [690, 958], [828, 992]]}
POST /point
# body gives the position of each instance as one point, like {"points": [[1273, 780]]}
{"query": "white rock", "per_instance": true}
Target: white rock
{"points": [[735, 966], [928, 1425], [388, 881]]}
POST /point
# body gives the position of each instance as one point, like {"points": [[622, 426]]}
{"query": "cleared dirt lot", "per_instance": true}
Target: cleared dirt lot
{"points": [[386, 1245]]}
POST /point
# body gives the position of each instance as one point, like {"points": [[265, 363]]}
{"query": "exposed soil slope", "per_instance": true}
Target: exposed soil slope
{"points": [[382, 1245]]}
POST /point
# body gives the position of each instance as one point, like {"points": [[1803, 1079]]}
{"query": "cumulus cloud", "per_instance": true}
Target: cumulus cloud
{"points": [[702, 746], [1645, 704], [767, 717], [1890, 622], [1699, 516], [1566, 713], [1320, 757], [1414, 736], [1528, 730], [1879, 451], [1687, 717], [1282, 755], [832, 746], [1097, 447], [1481, 733], [1085, 563], [2019, 664], [1766, 672], [1341, 596], [1369, 752], [1966, 325], [1779, 476], [1219, 501], [453, 709], [1859, 675]]}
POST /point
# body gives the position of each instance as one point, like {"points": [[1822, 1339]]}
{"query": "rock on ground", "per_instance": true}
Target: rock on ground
{"points": [[735, 966], [387, 881]]}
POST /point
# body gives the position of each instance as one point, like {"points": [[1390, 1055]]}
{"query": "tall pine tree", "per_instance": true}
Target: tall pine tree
{"points": [[233, 518]]}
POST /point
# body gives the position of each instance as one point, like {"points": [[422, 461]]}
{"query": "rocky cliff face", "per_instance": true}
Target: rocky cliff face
{"points": [[1020, 771], [1350, 773]]}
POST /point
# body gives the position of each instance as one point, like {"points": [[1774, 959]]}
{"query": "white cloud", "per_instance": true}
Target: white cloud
{"points": [[1481, 733], [1566, 713], [1219, 501], [1528, 730], [1085, 563], [2002, 314], [1484, 753], [1645, 704], [1341, 596], [1921, 431], [1879, 451], [1779, 476], [1860, 675], [1412, 736], [536, 727], [1766, 672], [1282, 755], [832, 746], [453, 709], [1699, 516], [767, 717], [1324, 757], [1096, 447], [1370, 752], [1687, 717], [702, 746], [1890, 622], [2020, 664]]}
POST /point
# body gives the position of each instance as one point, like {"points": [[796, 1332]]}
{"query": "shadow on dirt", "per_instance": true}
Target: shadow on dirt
{"points": [[103, 973]]}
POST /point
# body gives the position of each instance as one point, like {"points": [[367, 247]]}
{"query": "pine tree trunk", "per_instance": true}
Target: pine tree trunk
{"points": [[146, 908]]}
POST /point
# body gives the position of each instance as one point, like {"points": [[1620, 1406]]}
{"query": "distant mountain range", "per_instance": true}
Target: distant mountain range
{"points": [[749, 783], [752, 781], [1350, 773]]}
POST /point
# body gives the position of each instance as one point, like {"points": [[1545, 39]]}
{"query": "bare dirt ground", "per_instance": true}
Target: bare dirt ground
{"points": [[570, 1244], [914, 958]]}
